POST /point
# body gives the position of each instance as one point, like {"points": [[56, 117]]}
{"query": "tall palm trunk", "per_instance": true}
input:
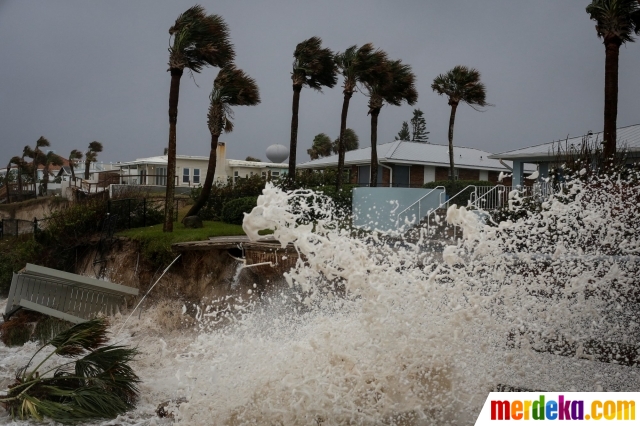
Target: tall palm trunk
{"points": [[374, 147], [19, 182], [208, 181], [45, 179], [610, 97], [293, 145], [174, 94], [35, 176], [6, 182], [73, 174], [341, 147], [452, 120], [87, 167]]}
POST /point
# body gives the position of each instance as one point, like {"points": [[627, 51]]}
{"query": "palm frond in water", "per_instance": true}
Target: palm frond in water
{"points": [[97, 383]]}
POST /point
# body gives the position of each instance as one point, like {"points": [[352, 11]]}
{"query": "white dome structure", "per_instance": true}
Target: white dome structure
{"points": [[277, 153]]}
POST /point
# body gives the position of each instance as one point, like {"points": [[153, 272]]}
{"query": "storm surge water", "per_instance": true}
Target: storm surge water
{"points": [[377, 330]]}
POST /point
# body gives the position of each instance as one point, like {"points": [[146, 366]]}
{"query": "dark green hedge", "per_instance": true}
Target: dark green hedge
{"points": [[223, 193], [233, 211]]}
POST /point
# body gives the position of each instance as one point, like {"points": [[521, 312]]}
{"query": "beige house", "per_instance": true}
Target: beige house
{"points": [[191, 171]]}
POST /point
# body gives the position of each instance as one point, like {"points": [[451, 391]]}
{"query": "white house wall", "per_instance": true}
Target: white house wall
{"points": [[192, 164]]}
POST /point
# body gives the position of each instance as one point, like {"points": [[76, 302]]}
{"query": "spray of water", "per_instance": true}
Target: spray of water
{"points": [[374, 330]]}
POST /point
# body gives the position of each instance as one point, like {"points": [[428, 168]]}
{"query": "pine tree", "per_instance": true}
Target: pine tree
{"points": [[403, 134], [419, 127]]}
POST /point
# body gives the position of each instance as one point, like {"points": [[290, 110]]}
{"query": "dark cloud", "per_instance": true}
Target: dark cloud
{"points": [[77, 71]]}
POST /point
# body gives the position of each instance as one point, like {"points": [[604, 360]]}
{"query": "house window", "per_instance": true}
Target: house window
{"points": [[275, 174], [364, 175], [264, 175], [161, 176], [236, 176], [185, 175], [401, 176], [456, 173], [196, 175]]}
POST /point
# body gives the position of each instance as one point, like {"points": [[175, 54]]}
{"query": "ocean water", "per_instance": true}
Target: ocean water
{"points": [[371, 331]]}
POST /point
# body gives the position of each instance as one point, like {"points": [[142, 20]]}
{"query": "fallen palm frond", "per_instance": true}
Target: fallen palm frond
{"points": [[96, 383]]}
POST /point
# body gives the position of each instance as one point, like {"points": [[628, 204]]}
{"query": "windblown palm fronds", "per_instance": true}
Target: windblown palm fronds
{"points": [[357, 65], [616, 23], [314, 67], [232, 87], [96, 382], [460, 84]]}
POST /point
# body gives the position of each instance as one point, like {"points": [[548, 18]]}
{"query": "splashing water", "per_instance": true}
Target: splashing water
{"points": [[376, 331], [236, 275]]}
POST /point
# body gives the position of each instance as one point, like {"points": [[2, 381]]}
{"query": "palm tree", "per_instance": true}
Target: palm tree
{"points": [[460, 84], [321, 146], [26, 152], [232, 87], [616, 21], [48, 160], [313, 67], [20, 164], [356, 65], [38, 155], [395, 86], [87, 381], [14, 160], [91, 156], [74, 159], [199, 40], [350, 141]]}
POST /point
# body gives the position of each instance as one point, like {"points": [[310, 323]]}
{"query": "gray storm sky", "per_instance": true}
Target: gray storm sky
{"points": [[78, 71]]}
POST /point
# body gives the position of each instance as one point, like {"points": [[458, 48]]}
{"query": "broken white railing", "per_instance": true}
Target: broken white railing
{"points": [[63, 295]]}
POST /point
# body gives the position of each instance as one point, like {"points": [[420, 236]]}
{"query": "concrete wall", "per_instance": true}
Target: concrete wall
{"points": [[378, 208]]}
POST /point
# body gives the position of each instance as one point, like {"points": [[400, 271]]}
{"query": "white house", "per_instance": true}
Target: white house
{"points": [[191, 170]]}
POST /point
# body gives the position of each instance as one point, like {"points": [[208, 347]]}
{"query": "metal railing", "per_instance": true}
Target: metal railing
{"points": [[445, 205], [64, 295], [489, 197], [13, 192], [150, 180], [419, 203], [138, 212], [16, 227]]}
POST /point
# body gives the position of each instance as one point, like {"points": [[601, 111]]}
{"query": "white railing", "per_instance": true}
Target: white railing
{"points": [[488, 197], [419, 203], [445, 205]]}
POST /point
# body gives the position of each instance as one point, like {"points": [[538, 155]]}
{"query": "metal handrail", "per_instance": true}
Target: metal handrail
{"points": [[485, 196], [419, 200], [475, 192]]}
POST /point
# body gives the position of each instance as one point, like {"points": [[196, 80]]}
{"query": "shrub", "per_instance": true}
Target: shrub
{"points": [[222, 193], [233, 211], [15, 253], [343, 199]]}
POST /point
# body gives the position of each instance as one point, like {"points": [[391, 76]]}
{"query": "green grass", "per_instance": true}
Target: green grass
{"points": [[155, 245], [181, 234]]}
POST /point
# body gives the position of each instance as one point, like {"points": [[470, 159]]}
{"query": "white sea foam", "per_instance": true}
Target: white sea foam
{"points": [[372, 331]]}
